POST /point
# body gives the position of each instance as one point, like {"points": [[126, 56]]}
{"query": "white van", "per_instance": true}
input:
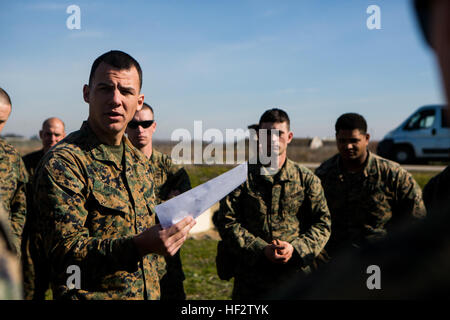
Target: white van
{"points": [[422, 136]]}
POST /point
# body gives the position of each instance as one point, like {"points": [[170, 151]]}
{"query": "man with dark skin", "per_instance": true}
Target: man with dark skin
{"points": [[367, 195]]}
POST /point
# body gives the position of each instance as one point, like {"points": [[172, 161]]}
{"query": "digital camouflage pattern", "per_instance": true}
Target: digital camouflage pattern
{"points": [[364, 206], [166, 178], [12, 189], [414, 260], [289, 206], [31, 162], [10, 269], [89, 207]]}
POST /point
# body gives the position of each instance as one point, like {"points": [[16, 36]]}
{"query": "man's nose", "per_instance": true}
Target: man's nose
{"points": [[117, 97]]}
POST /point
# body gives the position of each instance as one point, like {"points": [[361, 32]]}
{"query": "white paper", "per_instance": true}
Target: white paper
{"points": [[196, 201]]}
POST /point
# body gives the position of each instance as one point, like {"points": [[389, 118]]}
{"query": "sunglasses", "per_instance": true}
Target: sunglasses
{"points": [[144, 124]]}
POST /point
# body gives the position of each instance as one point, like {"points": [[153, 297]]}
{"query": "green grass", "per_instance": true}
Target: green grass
{"points": [[199, 266], [422, 178], [202, 173], [199, 174]]}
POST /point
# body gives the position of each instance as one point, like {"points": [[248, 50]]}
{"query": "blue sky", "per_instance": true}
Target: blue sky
{"points": [[222, 62]]}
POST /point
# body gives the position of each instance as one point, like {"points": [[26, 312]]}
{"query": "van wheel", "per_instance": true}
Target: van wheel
{"points": [[403, 154]]}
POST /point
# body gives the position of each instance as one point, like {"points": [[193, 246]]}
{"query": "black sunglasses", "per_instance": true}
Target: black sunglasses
{"points": [[144, 124]]}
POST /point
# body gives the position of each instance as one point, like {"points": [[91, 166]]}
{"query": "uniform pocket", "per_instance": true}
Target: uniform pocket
{"points": [[291, 202], [109, 212]]}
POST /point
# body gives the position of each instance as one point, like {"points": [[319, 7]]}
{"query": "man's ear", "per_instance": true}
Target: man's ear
{"points": [[140, 102], [290, 136], [86, 91], [41, 134], [368, 137]]}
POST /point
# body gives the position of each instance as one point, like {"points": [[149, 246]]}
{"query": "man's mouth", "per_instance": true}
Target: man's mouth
{"points": [[114, 115]]}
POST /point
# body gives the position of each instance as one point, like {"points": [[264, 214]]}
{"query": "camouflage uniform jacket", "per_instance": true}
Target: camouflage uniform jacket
{"points": [[365, 205], [12, 189], [89, 207], [31, 161], [10, 270], [289, 206], [166, 178]]}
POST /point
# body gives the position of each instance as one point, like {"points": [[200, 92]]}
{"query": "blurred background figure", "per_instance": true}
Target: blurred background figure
{"points": [[53, 131], [12, 209]]}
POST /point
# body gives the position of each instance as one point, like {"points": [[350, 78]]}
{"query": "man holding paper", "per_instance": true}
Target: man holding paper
{"points": [[273, 225], [95, 222], [169, 181]]}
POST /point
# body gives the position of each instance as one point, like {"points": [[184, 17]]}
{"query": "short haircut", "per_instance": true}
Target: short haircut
{"points": [[351, 121], [119, 60], [4, 97], [47, 122], [146, 105], [275, 115]]}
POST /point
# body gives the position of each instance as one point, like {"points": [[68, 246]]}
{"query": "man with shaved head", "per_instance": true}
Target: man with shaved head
{"points": [[53, 131], [13, 176]]}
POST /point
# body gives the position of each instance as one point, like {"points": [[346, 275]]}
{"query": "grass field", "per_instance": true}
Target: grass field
{"points": [[199, 266]]}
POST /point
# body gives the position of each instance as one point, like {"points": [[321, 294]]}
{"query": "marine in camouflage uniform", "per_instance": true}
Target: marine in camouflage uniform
{"points": [[90, 206], [166, 178], [364, 206], [53, 131], [31, 161], [12, 190], [10, 269], [288, 206]]}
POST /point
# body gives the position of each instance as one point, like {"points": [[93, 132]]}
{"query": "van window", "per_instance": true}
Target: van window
{"points": [[445, 113], [421, 120]]}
